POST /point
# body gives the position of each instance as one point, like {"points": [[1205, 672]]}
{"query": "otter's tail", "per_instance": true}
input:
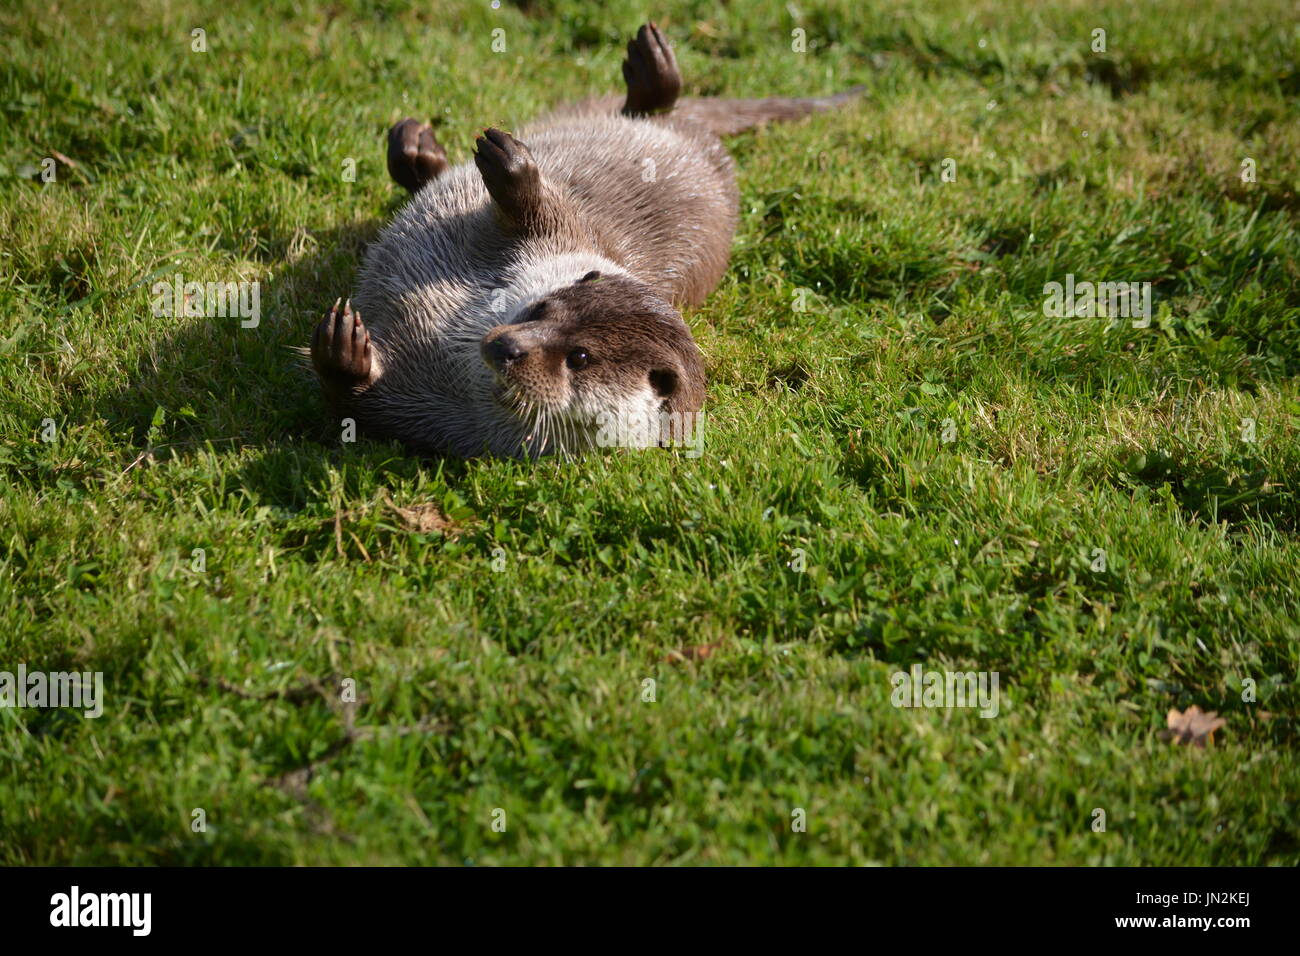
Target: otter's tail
{"points": [[725, 117]]}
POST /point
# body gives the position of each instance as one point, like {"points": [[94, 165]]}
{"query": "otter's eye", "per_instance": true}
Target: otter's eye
{"points": [[577, 359], [593, 274]]}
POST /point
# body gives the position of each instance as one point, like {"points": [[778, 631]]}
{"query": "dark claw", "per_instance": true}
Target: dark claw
{"points": [[340, 349], [653, 80]]}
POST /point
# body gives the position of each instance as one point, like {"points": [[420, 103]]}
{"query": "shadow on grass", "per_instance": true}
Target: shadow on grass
{"points": [[218, 381], [211, 380], [1237, 491]]}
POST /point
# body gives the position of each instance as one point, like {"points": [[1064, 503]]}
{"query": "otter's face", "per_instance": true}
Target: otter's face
{"points": [[604, 350]]}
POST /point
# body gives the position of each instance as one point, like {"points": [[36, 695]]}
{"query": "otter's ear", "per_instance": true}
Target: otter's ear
{"points": [[664, 382]]}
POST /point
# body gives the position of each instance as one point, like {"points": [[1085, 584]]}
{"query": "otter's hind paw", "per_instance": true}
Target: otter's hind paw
{"points": [[414, 155], [653, 81], [341, 351]]}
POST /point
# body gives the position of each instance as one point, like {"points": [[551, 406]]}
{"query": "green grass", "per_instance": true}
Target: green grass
{"points": [[521, 689]]}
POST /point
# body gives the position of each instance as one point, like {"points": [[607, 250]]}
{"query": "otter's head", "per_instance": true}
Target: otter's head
{"points": [[605, 352]]}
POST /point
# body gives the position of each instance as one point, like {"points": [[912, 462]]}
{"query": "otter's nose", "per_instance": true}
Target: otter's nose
{"points": [[501, 351]]}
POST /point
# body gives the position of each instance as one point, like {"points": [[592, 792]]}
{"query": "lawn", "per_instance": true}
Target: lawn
{"points": [[317, 652]]}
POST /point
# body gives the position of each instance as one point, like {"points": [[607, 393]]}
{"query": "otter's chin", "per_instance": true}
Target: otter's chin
{"points": [[548, 435], [542, 429]]}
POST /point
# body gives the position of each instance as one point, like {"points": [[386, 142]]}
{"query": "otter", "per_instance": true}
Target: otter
{"points": [[518, 304]]}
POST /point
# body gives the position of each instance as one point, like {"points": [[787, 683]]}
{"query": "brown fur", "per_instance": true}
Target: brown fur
{"points": [[478, 296]]}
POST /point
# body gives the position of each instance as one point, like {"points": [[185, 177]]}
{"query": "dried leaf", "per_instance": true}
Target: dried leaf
{"points": [[1193, 726], [424, 518], [695, 652]]}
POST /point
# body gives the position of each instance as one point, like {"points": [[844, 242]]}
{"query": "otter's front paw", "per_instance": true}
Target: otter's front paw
{"points": [[510, 175], [653, 81], [414, 156], [341, 352]]}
